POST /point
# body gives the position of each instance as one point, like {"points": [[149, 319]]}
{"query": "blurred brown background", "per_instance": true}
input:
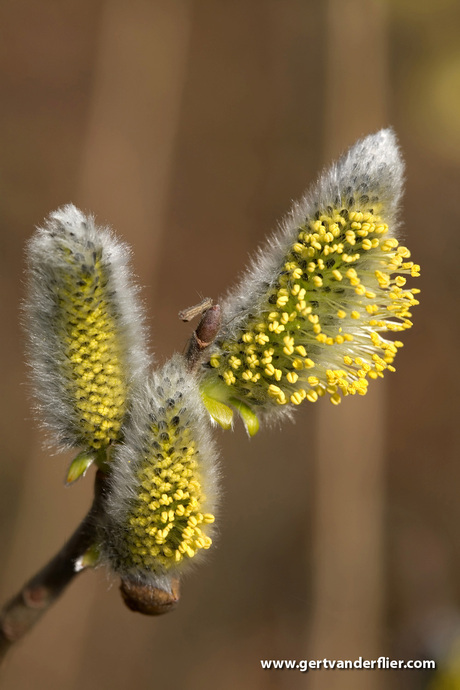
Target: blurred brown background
{"points": [[189, 126]]}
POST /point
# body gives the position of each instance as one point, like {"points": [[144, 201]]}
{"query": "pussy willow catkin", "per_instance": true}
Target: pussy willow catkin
{"points": [[162, 498], [309, 317], [85, 327]]}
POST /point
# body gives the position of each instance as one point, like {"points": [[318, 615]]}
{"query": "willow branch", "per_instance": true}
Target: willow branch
{"points": [[24, 610]]}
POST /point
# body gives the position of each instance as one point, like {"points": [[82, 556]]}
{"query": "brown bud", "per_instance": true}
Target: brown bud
{"points": [[151, 601], [203, 336]]}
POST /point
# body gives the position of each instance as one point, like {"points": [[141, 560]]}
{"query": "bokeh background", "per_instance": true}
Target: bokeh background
{"points": [[189, 126]]}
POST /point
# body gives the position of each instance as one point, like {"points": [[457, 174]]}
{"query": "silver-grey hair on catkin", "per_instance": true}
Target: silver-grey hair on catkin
{"points": [[85, 328], [308, 317], [163, 489], [371, 170]]}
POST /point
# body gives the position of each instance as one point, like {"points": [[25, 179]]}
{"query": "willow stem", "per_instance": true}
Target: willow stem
{"points": [[26, 608]]}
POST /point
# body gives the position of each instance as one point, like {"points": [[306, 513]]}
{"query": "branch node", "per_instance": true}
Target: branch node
{"points": [[203, 336]]}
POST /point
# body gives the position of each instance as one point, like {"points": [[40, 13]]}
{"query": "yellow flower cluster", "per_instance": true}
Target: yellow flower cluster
{"points": [[86, 340], [163, 489], [91, 361], [318, 329], [166, 522]]}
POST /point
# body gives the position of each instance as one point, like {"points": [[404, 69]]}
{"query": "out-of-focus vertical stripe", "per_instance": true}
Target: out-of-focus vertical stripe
{"points": [[125, 179], [347, 559], [137, 90]]}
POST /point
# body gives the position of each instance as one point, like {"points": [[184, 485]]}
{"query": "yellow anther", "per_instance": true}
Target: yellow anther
{"points": [[292, 377], [229, 378], [296, 398], [274, 390], [334, 229], [372, 308], [350, 236]]}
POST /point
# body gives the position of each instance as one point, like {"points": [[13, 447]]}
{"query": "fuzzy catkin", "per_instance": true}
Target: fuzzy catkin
{"points": [[163, 484], [86, 344], [307, 317]]}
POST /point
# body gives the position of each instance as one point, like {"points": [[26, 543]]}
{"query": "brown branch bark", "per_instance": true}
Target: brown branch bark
{"points": [[25, 609]]}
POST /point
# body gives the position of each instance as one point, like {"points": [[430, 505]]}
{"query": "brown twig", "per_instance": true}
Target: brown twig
{"points": [[21, 613]]}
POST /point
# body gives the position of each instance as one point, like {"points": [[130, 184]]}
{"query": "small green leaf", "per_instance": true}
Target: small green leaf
{"points": [[89, 559], [248, 416], [222, 414], [79, 465]]}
